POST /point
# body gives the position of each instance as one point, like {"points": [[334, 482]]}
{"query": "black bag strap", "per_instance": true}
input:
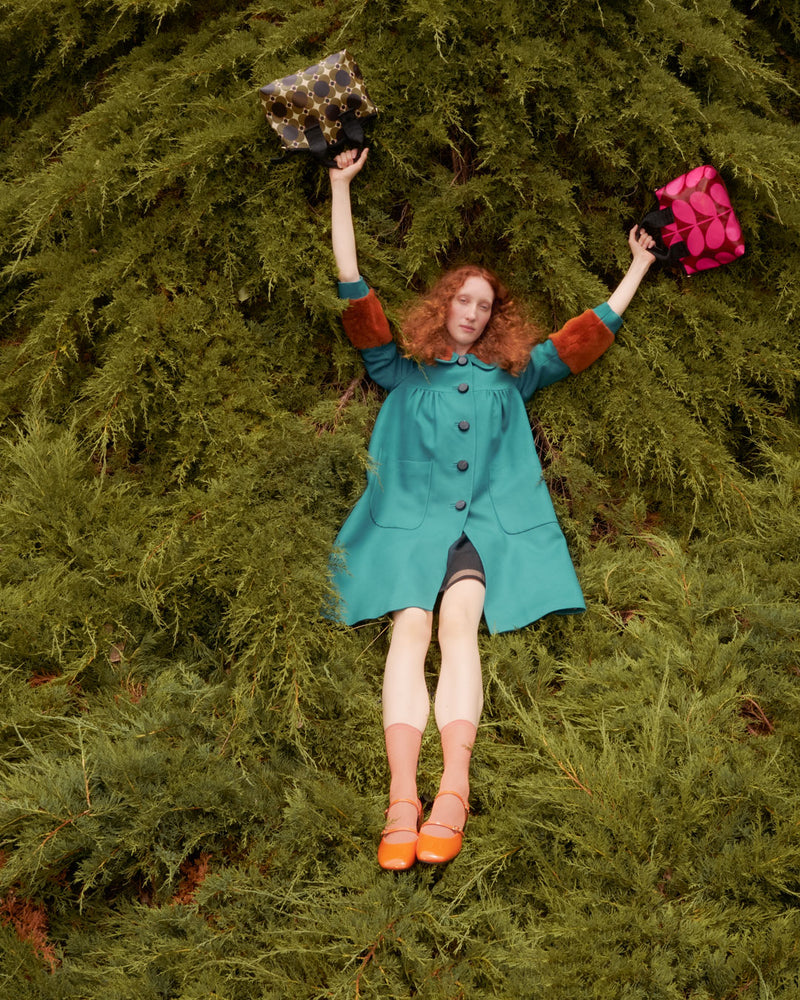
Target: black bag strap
{"points": [[318, 145], [352, 128], [672, 254], [653, 223], [657, 219]]}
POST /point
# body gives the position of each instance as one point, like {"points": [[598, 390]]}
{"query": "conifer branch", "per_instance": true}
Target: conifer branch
{"points": [[65, 823], [83, 767], [371, 955], [569, 771]]}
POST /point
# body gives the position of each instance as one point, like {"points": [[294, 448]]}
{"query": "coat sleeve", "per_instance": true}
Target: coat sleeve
{"points": [[367, 329], [578, 344]]}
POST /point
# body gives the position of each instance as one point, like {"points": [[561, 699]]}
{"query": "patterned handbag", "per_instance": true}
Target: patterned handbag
{"points": [[695, 226], [322, 109]]}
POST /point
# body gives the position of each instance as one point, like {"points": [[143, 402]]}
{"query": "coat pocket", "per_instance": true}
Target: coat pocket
{"points": [[520, 498], [399, 492]]}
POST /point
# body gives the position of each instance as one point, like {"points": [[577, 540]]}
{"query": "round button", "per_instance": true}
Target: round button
{"points": [[461, 360], [461, 504], [463, 387], [463, 425], [463, 465]]}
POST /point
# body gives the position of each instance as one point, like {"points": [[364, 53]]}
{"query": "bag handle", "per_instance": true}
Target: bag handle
{"points": [[672, 254], [657, 219], [653, 223], [353, 129], [350, 127], [318, 146]]}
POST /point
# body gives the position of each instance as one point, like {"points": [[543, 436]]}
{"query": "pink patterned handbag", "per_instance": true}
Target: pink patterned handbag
{"points": [[695, 226]]}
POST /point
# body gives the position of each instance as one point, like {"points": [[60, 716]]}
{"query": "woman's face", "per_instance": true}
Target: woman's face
{"points": [[469, 311]]}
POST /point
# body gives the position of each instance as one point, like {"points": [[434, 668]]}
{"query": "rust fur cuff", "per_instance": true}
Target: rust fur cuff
{"points": [[582, 340], [365, 322]]}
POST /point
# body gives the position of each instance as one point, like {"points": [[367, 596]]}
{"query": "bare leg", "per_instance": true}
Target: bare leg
{"points": [[405, 696], [459, 696], [459, 693], [405, 712]]}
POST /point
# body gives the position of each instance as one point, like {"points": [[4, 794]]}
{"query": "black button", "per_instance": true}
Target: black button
{"points": [[461, 360], [463, 465], [461, 504], [463, 387], [463, 425]]}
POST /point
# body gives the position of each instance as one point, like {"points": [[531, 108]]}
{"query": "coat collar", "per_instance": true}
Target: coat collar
{"points": [[470, 357]]}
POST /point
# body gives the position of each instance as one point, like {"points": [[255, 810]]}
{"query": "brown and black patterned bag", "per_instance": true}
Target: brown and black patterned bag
{"points": [[322, 109]]}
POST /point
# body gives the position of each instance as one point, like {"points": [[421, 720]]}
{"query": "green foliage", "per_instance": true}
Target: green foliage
{"points": [[190, 757]]}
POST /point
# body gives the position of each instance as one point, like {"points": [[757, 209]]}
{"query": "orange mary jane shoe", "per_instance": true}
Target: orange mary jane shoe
{"points": [[439, 850], [398, 857]]}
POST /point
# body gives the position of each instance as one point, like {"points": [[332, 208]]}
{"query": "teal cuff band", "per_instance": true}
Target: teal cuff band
{"points": [[607, 315], [353, 289]]}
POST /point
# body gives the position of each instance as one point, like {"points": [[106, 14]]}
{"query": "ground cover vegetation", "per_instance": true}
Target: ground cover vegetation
{"points": [[192, 768]]}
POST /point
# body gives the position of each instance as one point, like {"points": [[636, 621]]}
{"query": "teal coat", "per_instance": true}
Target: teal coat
{"points": [[452, 452]]}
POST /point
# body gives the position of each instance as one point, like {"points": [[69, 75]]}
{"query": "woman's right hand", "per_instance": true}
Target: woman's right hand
{"points": [[344, 240], [348, 164]]}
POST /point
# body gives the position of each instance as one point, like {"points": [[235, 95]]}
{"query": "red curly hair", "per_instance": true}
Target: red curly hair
{"points": [[506, 340]]}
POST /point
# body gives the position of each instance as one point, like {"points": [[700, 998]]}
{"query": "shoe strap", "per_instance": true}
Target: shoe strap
{"points": [[412, 802], [399, 829], [445, 826], [465, 805]]}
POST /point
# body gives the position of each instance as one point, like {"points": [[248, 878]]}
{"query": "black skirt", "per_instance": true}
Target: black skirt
{"points": [[463, 563]]}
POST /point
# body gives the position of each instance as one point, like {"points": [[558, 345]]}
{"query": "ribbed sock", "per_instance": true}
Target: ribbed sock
{"points": [[457, 739], [402, 749]]}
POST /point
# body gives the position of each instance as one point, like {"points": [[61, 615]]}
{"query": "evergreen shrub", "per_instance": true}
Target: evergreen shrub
{"points": [[191, 757]]}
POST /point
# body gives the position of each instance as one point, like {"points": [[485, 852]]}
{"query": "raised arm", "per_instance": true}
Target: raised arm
{"points": [[640, 245], [344, 241], [364, 320], [581, 341]]}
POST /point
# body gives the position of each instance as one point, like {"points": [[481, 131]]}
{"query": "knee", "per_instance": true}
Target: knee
{"points": [[413, 625], [457, 624]]}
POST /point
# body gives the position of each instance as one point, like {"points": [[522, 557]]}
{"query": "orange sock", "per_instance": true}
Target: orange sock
{"points": [[457, 739], [402, 749]]}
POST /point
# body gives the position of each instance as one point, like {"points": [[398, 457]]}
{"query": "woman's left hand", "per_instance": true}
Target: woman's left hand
{"points": [[641, 242]]}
